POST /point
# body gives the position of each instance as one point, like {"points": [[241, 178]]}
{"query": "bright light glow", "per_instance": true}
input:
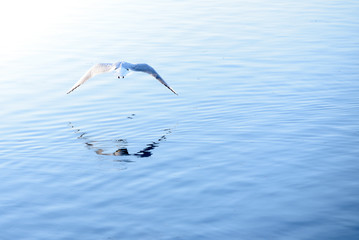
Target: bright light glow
{"points": [[24, 24]]}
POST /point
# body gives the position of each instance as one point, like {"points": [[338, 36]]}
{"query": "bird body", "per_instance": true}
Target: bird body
{"points": [[122, 69]]}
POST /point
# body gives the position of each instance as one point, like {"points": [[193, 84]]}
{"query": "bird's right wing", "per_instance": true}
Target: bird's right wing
{"points": [[96, 69]]}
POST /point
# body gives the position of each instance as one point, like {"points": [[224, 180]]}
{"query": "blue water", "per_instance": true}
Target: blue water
{"points": [[261, 143]]}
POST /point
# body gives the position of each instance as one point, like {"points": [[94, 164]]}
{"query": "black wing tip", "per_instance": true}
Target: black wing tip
{"points": [[73, 89], [172, 90]]}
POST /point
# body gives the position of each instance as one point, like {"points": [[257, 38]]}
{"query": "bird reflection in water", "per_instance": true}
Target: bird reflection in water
{"points": [[122, 151]]}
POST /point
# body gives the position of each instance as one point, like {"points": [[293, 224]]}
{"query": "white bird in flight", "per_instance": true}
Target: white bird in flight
{"points": [[122, 69]]}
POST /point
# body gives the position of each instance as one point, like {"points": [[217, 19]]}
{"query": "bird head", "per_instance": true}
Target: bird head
{"points": [[120, 70]]}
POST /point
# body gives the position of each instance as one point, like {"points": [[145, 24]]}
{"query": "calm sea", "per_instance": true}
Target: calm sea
{"points": [[262, 141]]}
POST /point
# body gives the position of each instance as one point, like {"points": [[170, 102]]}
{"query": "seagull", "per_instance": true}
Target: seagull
{"points": [[121, 69]]}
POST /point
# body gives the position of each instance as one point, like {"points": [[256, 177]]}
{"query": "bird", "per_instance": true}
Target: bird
{"points": [[122, 69]]}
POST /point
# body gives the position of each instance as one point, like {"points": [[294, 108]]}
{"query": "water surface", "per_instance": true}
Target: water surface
{"points": [[261, 142]]}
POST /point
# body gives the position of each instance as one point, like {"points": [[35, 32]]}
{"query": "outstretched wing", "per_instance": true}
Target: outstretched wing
{"points": [[96, 69], [142, 67]]}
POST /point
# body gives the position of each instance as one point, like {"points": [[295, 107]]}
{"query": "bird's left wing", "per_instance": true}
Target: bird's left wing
{"points": [[142, 67], [94, 70]]}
